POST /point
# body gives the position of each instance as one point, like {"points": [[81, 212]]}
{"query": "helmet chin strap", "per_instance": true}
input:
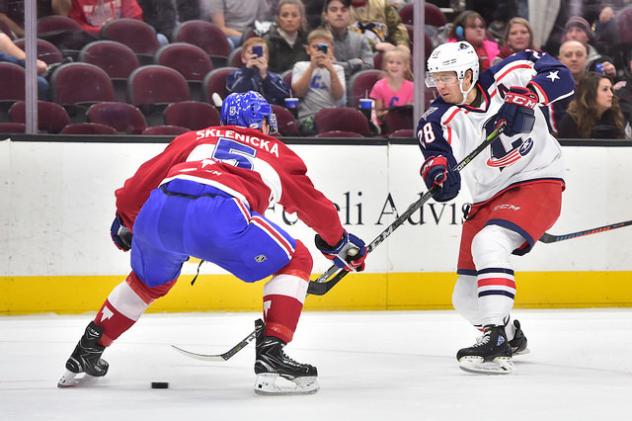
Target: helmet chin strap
{"points": [[465, 92]]}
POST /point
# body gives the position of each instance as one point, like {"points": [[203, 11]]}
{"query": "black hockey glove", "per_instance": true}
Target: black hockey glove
{"points": [[517, 111], [121, 235], [435, 172], [349, 254]]}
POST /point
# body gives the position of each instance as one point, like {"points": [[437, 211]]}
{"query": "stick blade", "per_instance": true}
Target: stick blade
{"points": [[202, 357]]}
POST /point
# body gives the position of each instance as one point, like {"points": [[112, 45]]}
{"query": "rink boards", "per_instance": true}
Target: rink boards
{"points": [[57, 203]]}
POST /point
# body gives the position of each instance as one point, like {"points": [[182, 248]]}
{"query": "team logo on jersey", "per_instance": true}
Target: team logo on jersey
{"points": [[506, 206], [513, 156], [261, 258]]}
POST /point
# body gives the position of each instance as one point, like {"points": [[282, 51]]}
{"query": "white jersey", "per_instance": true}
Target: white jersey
{"points": [[456, 130]]}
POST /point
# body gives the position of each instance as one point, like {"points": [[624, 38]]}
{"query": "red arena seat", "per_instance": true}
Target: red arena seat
{"points": [[342, 118], [51, 117], [125, 118], [193, 115]]}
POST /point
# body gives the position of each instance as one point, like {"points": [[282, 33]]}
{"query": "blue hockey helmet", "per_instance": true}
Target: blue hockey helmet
{"points": [[248, 109]]}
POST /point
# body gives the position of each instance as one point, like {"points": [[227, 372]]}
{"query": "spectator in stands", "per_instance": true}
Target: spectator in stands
{"points": [[287, 37], [236, 17], [313, 12], [12, 13], [595, 112], [379, 21], [11, 53], [574, 55], [396, 88], [166, 15], [352, 49], [606, 31], [320, 83], [578, 29], [255, 75], [518, 37], [93, 14], [470, 26], [623, 91]]}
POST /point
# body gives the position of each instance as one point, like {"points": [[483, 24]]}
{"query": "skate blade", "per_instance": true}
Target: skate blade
{"points": [[273, 384], [523, 352], [70, 379], [499, 365]]}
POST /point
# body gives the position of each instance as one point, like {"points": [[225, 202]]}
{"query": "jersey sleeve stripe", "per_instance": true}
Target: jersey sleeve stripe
{"points": [[512, 68], [544, 98], [454, 113]]}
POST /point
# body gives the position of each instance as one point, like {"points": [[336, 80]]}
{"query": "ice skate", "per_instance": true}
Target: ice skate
{"points": [[491, 354], [519, 342], [86, 359], [278, 374]]}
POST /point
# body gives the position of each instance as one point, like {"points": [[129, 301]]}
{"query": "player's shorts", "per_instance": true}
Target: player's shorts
{"points": [[528, 209], [201, 221]]}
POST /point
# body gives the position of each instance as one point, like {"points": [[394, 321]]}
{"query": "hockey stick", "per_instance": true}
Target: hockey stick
{"points": [[323, 284], [551, 238], [228, 354]]}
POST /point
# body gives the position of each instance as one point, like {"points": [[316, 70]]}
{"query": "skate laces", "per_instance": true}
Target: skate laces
{"points": [[483, 340]]}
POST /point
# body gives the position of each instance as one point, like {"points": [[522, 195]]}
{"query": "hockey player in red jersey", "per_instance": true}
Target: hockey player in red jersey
{"points": [[205, 196], [516, 191]]}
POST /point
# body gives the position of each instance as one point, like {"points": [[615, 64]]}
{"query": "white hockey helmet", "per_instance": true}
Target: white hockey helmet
{"points": [[458, 57]]}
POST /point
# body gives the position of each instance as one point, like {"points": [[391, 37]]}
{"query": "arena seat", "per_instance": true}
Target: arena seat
{"points": [[165, 130], [208, 37], [88, 128], [46, 51], [193, 115], [51, 117], [360, 85], [11, 127], [56, 23], [342, 118], [125, 118], [398, 118], [151, 88], [338, 133], [215, 81], [288, 126], [136, 34], [76, 86]]}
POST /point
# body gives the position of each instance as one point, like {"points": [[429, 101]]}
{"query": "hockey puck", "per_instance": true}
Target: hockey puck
{"points": [[160, 385]]}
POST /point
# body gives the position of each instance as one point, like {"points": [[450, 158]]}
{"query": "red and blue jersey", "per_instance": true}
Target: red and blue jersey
{"points": [[256, 169]]}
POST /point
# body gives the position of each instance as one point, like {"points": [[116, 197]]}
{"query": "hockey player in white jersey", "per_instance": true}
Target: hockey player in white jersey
{"points": [[516, 189]]}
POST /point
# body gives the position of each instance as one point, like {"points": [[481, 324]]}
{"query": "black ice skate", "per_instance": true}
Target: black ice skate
{"points": [[519, 342], [86, 358], [278, 374], [491, 354]]}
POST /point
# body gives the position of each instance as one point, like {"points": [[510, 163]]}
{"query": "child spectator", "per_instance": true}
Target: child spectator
{"points": [[255, 76], [595, 111], [470, 26], [319, 82], [287, 37], [380, 22], [352, 50], [396, 88]]}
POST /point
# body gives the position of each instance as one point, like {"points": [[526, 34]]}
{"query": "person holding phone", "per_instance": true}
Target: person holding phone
{"points": [[255, 76], [352, 49], [319, 82]]}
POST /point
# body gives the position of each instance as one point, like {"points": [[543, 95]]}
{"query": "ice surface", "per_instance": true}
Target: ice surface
{"points": [[372, 366]]}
